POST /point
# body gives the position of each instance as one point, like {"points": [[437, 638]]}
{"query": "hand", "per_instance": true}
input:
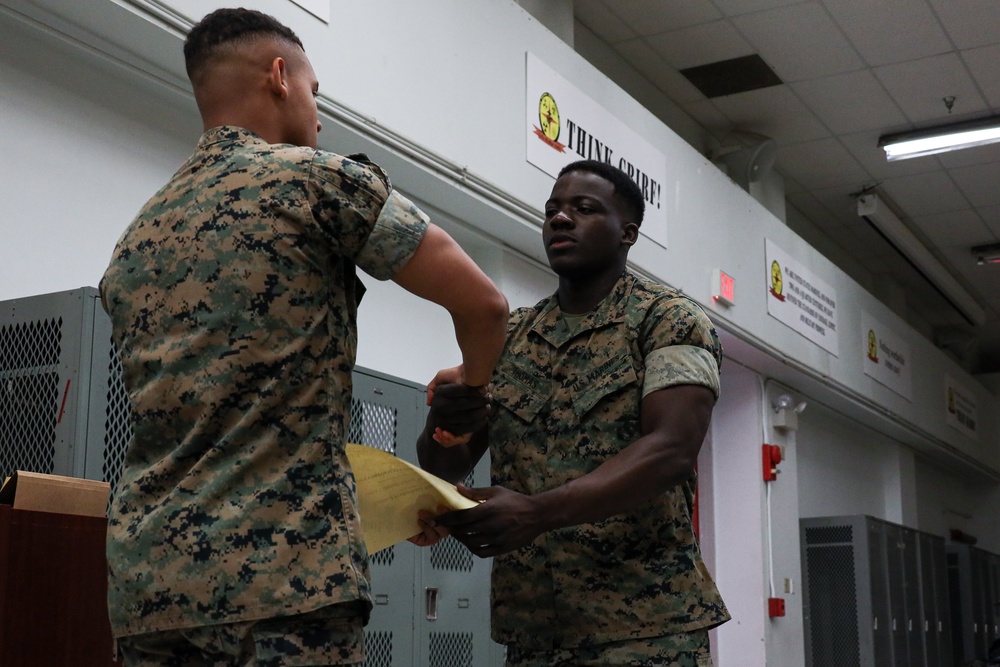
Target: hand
{"points": [[505, 520], [453, 375], [430, 532], [457, 411]]}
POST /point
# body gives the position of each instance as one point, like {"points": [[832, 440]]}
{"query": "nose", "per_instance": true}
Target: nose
{"points": [[559, 219], [319, 127]]}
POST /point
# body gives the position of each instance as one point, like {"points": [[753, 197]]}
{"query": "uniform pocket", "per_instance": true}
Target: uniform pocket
{"points": [[606, 379]]}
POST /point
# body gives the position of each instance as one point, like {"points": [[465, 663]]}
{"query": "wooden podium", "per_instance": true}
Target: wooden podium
{"points": [[53, 590]]}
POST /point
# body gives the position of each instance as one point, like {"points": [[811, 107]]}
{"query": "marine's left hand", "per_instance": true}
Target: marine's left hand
{"points": [[504, 520]]}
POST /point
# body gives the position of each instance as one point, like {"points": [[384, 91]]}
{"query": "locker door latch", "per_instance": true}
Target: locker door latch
{"points": [[431, 603]]}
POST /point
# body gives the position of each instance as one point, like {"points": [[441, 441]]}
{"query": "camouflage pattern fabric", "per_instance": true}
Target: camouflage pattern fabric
{"points": [[332, 635], [570, 400], [233, 298], [687, 649]]}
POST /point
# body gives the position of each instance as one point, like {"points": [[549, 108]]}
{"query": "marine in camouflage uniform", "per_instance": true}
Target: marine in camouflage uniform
{"points": [[233, 299], [601, 401], [568, 395], [234, 536]]}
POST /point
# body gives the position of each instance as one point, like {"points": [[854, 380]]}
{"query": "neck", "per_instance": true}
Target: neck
{"points": [[581, 295]]}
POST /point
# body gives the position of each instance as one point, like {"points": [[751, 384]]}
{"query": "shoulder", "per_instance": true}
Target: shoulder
{"points": [[664, 316], [350, 173]]}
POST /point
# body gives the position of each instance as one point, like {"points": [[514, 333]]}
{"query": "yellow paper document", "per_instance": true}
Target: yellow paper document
{"points": [[391, 492]]}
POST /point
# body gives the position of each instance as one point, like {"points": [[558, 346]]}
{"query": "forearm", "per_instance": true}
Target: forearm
{"points": [[480, 335], [642, 471]]}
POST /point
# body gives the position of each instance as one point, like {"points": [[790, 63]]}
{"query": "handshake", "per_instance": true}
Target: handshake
{"points": [[457, 411]]}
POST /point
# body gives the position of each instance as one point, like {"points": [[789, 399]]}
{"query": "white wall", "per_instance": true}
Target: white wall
{"points": [[77, 166]]}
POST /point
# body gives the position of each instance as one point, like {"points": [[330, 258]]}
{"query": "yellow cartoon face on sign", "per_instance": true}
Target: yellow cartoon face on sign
{"points": [[776, 280], [548, 116]]}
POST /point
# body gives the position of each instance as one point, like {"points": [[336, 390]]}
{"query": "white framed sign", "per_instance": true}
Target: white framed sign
{"points": [[886, 356], [797, 298]]}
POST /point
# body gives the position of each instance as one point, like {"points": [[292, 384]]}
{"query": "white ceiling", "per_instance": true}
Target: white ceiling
{"points": [[852, 70]]}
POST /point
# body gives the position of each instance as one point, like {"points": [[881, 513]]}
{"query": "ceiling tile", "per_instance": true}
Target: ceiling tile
{"points": [[738, 7], [840, 202], [812, 209], [651, 18], [821, 164], [920, 86], [640, 55], [775, 112], [603, 22], [706, 114], [969, 23], [991, 216], [983, 66], [980, 183], [970, 156], [925, 194], [890, 31], [700, 45], [954, 229], [851, 102], [815, 34]]}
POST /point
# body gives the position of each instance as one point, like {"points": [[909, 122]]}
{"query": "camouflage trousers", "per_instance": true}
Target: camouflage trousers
{"points": [[329, 636], [686, 649]]}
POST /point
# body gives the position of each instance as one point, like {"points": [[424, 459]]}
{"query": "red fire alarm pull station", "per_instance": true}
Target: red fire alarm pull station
{"points": [[775, 607], [771, 459]]}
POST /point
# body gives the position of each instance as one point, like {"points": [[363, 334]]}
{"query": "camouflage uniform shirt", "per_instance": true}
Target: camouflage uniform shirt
{"points": [[233, 299], [569, 398]]}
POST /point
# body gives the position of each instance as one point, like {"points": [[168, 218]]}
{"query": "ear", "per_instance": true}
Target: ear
{"points": [[630, 233], [277, 78]]}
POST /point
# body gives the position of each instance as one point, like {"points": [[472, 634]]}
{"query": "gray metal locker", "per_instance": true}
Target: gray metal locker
{"points": [[934, 602], [64, 410], [975, 591], [845, 603], [892, 540], [384, 415], [871, 596]]}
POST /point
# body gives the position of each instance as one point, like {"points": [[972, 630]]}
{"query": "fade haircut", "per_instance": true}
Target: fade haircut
{"points": [[230, 27], [626, 190]]}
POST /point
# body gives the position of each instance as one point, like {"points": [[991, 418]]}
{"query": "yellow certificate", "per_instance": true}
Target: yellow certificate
{"points": [[391, 492]]}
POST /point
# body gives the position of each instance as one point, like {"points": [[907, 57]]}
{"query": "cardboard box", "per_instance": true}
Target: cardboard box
{"points": [[39, 492]]}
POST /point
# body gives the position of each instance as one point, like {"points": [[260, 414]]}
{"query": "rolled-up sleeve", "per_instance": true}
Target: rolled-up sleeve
{"points": [[678, 365], [398, 231]]}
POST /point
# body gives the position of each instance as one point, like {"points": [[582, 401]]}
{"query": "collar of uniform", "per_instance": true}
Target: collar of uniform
{"points": [[229, 133], [551, 326]]}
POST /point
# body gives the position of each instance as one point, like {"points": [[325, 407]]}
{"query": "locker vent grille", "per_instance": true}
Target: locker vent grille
{"points": [[451, 649], [374, 425], [833, 624], [378, 649], [829, 535], [449, 554], [117, 422], [29, 388]]}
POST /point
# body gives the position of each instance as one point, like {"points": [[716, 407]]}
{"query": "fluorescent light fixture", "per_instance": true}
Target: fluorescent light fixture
{"points": [[906, 242], [941, 139]]}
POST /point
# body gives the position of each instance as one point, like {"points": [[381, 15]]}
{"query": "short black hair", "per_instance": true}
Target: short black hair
{"points": [[226, 26], [625, 188]]}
